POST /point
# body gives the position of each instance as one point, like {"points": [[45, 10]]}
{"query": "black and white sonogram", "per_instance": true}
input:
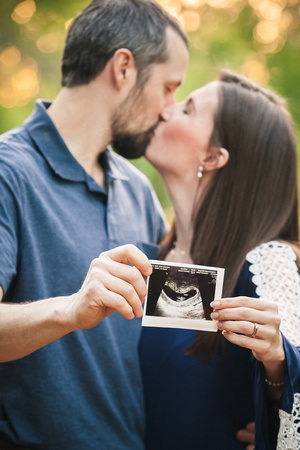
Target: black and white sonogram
{"points": [[179, 296]]}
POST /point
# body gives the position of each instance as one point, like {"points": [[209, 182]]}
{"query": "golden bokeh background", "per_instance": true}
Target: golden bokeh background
{"points": [[260, 39]]}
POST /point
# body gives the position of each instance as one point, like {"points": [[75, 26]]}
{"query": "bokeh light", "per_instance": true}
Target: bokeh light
{"points": [[68, 23], [193, 3], [190, 20], [259, 38], [255, 68], [266, 32], [268, 25], [10, 57], [24, 11], [47, 43]]}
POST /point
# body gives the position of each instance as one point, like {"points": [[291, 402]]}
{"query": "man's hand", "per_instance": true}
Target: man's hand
{"points": [[111, 285], [247, 435]]}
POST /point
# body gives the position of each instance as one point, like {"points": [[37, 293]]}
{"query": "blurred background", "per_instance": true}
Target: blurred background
{"points": [[259, 38]]}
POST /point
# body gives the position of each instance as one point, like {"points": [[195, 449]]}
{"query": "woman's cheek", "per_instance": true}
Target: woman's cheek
{"points": [[176, 132]]}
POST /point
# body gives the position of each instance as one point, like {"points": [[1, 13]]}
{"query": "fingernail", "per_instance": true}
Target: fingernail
{"points": [[148, 271], [214, 315], [139, 314], [215, 304]]}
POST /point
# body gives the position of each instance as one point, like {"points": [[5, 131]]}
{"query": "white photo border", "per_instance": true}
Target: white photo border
{"points": [[192, 324]]}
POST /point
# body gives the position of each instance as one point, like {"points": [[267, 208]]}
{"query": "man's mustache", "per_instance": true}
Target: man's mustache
{"points": [[151, 130], [132, 146]]}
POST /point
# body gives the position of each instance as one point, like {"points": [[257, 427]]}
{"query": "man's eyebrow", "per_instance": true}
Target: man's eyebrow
{"points": [[176, 84]]}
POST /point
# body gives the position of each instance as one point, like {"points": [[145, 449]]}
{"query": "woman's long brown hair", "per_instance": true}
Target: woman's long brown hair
{"points": [[251, 200]]}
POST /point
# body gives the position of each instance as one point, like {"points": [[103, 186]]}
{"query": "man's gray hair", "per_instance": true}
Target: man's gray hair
{"points": [[107, 25]]}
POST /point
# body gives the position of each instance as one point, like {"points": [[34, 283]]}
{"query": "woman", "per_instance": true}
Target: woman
{"points": [[228, 157]]}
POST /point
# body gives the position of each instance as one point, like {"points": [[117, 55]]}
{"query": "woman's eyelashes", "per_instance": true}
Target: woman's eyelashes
{"points": [[186, 108]]}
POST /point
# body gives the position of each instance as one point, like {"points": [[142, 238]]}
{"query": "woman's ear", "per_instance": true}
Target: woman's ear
{"points": [[217, 158], [123, 67], [223, 157]]}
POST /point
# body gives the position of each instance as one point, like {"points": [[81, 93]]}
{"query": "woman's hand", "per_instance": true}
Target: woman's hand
{"points": [[251, 323], [247, 435]]}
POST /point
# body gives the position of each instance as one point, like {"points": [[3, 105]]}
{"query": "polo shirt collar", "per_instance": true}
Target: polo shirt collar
{"points": [[113, 167], [51, 145]]}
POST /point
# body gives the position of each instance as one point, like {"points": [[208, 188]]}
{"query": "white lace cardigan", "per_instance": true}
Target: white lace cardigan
{"points": [[276, 277]]}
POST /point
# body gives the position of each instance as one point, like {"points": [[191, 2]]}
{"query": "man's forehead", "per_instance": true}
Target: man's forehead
{"points": [[175, 66], [173, 37], [178, 52]]}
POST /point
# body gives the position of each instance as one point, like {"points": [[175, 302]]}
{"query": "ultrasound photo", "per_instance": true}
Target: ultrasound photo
{"points": [[179, 295]]}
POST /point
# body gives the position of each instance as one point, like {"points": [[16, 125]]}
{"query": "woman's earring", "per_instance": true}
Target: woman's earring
{"points": [[200, 171]]}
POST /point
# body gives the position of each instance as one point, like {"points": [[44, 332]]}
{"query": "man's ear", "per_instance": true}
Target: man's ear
{"points": [[124, 70], [217, 158]]}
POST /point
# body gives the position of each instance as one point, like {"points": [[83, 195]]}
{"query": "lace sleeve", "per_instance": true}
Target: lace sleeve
{"points": [[276, 277]]}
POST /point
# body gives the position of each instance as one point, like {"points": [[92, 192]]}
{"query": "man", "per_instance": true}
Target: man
{"points": [[68, 381]]}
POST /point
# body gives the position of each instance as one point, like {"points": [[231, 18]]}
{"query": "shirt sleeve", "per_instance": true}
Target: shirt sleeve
{"points": [[289, 412], [9, 225], [276, 277]]}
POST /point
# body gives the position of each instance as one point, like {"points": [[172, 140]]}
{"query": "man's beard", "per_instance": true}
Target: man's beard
{"points": [[130, 145]]}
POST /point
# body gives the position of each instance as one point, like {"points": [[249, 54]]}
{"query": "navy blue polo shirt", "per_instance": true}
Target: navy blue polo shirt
{"points": [[82, 391]]}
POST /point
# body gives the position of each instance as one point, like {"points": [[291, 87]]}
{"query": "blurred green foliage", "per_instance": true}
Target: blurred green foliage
{"points": [[258, 38]]}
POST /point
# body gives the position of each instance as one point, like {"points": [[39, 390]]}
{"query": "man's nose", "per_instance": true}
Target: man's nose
{"points": [[170, 99], [167, 112]]}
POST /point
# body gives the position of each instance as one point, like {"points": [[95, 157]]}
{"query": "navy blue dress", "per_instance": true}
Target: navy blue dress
{"points": [[179, 388], [192, 405]]}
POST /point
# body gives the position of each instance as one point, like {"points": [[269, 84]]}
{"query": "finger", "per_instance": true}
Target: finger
{"points": [[249, 329], [115, 302], [103, 282], [260, 304], [251, 428], [129, 254], [124, 272], [259, 346], [239, 314], [100, 283], [242, 327], [248, 314], [245, 436], [125, 291], [264, 350]]}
